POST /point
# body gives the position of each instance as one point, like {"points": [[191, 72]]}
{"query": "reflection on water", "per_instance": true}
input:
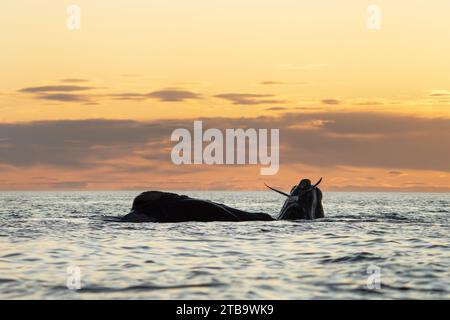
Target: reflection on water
{"points": [[406, 236]]}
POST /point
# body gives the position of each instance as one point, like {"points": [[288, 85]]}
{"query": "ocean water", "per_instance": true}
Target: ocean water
{"points": [[60, 245]]}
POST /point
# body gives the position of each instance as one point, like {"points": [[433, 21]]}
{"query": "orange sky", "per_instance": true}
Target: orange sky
{"points": [[365, 109]]}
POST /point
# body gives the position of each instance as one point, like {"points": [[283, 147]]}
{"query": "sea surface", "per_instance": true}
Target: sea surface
{"points": [[60, 245]]}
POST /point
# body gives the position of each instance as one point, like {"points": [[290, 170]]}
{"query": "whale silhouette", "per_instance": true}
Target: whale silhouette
{"points": [[303, 202]]}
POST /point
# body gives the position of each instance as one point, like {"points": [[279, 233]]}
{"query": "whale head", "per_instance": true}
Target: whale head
{"points": [[303, 202]]}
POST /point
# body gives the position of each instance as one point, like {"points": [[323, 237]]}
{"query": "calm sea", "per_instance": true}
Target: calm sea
{"points": [[370, 246]]}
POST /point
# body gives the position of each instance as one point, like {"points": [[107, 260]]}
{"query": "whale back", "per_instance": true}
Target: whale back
{"points": [[158, 206]]}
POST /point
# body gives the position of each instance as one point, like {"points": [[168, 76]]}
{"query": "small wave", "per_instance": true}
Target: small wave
{"points": [[5, 280], [408, 288], [10, 255], [395, 216], [357, 257], [100, 289], [110, 219]]}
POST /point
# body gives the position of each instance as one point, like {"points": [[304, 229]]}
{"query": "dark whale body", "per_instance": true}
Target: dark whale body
{"points": [[303, 202], [157, 206]]}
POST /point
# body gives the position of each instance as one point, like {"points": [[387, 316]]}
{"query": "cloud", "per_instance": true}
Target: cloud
{"points": [[360, 102], [62, 93], [127, 96], [173, 95], [354, 139], [75, 144], [55, 88], [68, 185], [371, 140], [272, 82], [71, 93], [167, 95], [248, 98], [395, 173], [63, 97], [439, 93], [331, 101]]}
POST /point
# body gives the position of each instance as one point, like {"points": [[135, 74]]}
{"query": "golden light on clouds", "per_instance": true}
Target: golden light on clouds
{"points": [[145, 61]]}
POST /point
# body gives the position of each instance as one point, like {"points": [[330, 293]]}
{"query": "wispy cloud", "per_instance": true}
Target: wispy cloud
{"points": [[74, 80], [331, 101], [368, 102], [249, 98], [439, 93], [64, 97], [166, 95], [62, 93], [174, 95], [127, 96], [395, 173], [55, 88], [77, 93]]}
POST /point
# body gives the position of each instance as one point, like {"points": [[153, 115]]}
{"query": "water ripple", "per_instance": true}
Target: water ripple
{"points": [[46, 236]]}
